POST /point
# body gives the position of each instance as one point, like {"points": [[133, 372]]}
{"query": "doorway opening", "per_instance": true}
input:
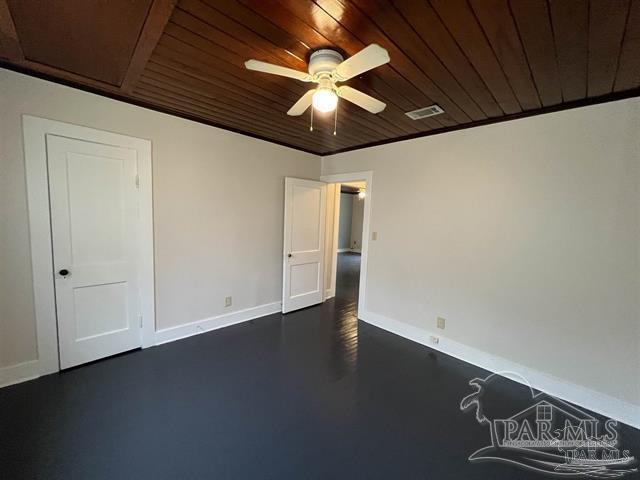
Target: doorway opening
{"points": [[319, 261], [348, 213], [349, 248]]}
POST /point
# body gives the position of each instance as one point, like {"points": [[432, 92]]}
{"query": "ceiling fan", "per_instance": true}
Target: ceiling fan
{"points": [[327, 68]]}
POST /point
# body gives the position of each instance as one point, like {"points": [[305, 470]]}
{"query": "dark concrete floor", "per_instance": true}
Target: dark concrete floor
{"points": [[315, 394]]}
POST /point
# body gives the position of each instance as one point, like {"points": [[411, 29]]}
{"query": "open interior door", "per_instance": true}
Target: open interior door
{"points": [[304, 224]]}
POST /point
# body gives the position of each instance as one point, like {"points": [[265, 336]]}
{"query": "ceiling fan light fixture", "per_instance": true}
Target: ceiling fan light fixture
{"points": [[328, 67], [325, 100]]}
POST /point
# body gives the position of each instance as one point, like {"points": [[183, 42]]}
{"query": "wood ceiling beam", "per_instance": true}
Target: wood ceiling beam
{"points": [[9, 43], [159, 15]]}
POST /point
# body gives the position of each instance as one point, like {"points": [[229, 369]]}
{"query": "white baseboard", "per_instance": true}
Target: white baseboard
{"points": [[601, 403], [19, 373], [213, 323], [33, 369], [582, 396], [342, 250], [329, 293], [355, 250]]}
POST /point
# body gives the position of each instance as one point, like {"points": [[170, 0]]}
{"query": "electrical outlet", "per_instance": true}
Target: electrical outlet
{"points": [[441, 322], [374, 236], [227, 301], [434, 339]]}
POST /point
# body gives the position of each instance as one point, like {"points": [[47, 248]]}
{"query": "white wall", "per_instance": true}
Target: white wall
{"points": [[524, 235], [218, 208], [357, 217], [346, 216]]}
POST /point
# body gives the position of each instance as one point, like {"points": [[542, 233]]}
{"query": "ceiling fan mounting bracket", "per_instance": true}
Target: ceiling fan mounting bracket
{"points": [[323, 63]]}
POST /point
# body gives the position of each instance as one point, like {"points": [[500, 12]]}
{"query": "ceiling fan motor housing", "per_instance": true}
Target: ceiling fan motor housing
{"points": [[324, 62]]}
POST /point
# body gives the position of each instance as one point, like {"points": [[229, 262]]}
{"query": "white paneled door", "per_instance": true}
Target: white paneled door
{"points": [[94, 217], [304, 222]]}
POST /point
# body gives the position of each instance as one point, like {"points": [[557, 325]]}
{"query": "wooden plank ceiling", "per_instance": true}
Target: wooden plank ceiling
{"points": [[480, 60]]}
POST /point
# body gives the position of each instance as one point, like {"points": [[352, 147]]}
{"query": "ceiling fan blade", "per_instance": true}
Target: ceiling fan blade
{"points": [[301, 105], [265, 67], [361, 99], [369, 57]]}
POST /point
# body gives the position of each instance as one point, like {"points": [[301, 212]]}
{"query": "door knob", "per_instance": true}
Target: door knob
{"points": [[64, 272], [289, 255]]}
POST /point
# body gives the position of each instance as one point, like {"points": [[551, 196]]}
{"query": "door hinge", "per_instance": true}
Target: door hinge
{"points": [[140, 318], [137, 181]]}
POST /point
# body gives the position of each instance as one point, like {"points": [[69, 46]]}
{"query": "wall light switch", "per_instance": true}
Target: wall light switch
{"points": [[441, 322], [374, 236], [227, 301]]}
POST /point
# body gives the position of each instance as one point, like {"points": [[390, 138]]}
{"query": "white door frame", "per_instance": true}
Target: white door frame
{"points": [[335, 227], [35, 153], [366, 176]]}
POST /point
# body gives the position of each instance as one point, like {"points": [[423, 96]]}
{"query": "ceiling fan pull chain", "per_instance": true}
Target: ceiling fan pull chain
{"points": [[335, 121], [311, 126]]}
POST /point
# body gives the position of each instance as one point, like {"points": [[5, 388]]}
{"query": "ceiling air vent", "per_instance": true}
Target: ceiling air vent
{"points": [[424, 112]]}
